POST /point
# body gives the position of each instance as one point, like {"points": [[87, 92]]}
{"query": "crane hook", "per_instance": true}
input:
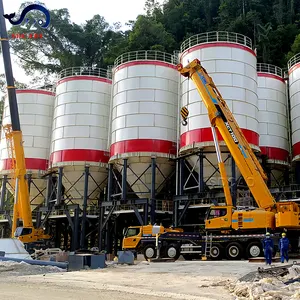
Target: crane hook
{"points": [[184, 114], [184, 122]]}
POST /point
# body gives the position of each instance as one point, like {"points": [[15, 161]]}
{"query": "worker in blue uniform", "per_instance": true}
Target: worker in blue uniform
{"points": [[284, 244], [268, 246]]}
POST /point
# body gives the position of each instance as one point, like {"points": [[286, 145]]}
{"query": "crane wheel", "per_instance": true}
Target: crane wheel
{"points": [[216, 252], [234, 251], [254, 250], [149, 252], [173, 251]]}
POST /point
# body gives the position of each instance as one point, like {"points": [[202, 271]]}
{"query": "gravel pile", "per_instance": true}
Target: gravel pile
{"points": [[11, 268]]}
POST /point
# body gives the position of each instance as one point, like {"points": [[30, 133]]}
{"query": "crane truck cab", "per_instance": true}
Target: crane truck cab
{"points": [[142, 238], [30, 234]]}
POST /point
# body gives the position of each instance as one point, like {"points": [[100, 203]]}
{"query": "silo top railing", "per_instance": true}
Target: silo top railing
{"points": [[86, 71], [271, 69], [216, 36], [146, 55], [294, 60]]}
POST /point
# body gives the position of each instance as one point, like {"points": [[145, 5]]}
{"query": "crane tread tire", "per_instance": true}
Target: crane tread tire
{"points": [[254, 249], [234, 251], [173, 251], [216, 252], [149, 252]]}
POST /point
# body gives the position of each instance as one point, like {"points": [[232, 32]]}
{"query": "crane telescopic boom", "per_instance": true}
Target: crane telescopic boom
{"points": [[221, 118], [22, 209], [270, 213]]}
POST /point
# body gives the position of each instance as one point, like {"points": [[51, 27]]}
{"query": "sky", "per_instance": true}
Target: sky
{"points": [[80, 11]]}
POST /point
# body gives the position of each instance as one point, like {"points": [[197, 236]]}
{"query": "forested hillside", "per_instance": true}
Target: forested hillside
{"points": [[273, 26]]}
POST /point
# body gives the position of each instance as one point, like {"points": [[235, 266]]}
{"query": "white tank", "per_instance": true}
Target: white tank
{"points": [[35, 111], [294, 88], [80, 129], [272, 115], [231, 62], [144, 115]]}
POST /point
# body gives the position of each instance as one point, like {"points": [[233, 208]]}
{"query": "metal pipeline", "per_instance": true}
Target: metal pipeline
{"points": [[61, 265]]}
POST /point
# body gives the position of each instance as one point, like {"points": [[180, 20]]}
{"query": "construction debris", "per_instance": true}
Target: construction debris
{"points": [[268, 272], [275, 283]]}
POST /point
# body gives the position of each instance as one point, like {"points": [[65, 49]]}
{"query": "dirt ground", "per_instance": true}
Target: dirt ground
{"points": [[186, 280]]}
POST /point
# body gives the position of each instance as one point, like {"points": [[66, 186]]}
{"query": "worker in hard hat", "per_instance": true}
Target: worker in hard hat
{"points": [[268, 246], [284, 244]]}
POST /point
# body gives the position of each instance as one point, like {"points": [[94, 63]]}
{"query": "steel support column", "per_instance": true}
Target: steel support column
{"points": [[29, 180], [146, 212], [152, 192], [49, 190], [124, 180], [201, 172], [109, 182], [181, 176], [233, 186], [59, 186], [84, 207], [3, 192], [76, 228], [100, 228]]}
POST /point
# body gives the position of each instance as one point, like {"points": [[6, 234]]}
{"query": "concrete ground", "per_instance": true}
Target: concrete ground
{"points": [[186, 280]]}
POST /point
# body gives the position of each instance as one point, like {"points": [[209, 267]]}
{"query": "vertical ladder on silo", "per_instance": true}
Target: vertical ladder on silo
{"points": [[10, 151], [208, 244]]}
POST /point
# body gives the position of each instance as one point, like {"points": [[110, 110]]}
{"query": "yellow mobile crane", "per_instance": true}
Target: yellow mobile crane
{"points": [[269, 215], [229, 232], [22, 211]]}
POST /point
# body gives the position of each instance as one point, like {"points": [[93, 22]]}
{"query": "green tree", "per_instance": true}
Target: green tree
{"points": [[148, 34], [65, 44]]}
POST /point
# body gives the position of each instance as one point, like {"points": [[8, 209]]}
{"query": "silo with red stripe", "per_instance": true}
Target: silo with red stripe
{"points": [[294, 89], [80, 130], [273, 121], [35, 111], [231, 62], [144, 117]]}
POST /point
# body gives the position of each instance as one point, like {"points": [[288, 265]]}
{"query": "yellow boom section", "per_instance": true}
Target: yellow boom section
{"points": [[221, 118], [16, 154]]}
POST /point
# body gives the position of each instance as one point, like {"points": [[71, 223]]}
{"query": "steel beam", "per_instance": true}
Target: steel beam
{"points": [[29, 181], [59, 186], [152, 190], [201, 172], [49, 189], [124, 181], [84, 207], [3, 192], [233, 186]]}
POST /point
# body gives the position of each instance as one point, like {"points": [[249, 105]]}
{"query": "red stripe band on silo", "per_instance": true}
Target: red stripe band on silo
{"points": [[296, 149], [145, 62], [294, 67], [31, 164], [79, 155], [273, 76], [217, 44], [205, 135], [35, 92], [275, 153], [143, 145], [84, 77]]}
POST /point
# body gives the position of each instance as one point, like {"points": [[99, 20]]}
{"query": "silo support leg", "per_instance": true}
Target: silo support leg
{"points": [[3, 193], [153, 191], [84, 210]]}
